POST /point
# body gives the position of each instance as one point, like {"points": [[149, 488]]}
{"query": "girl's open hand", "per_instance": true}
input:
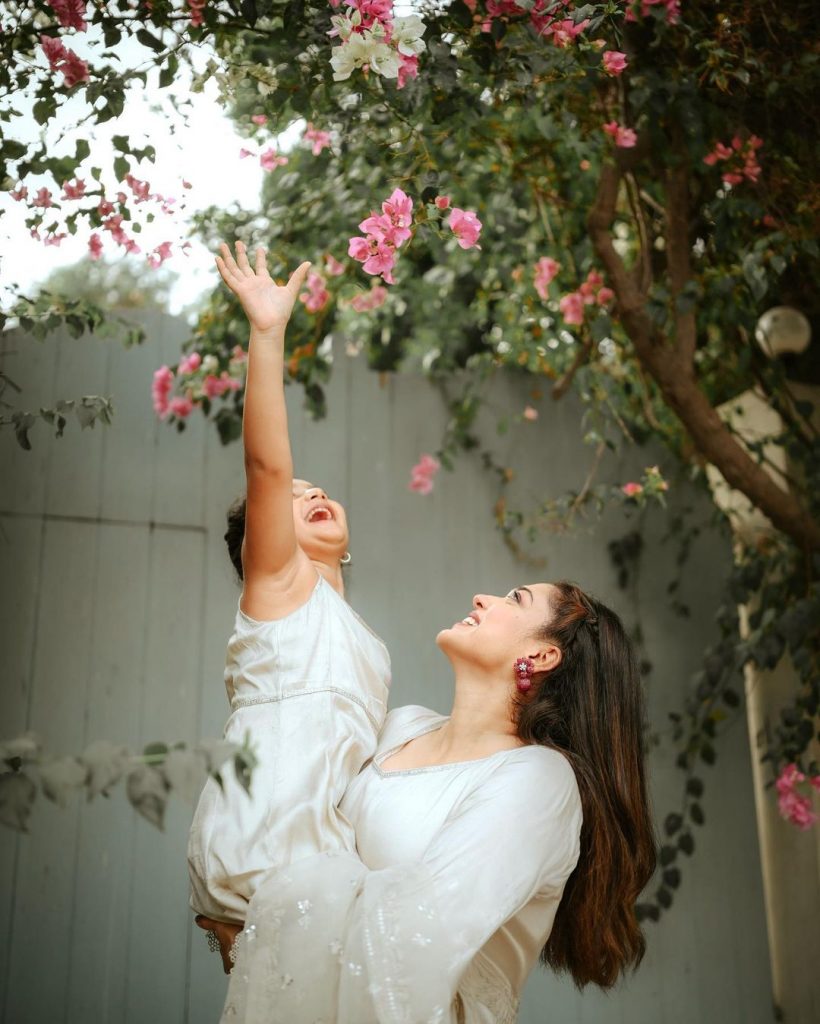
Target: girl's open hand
{"points": [[267, 305]]}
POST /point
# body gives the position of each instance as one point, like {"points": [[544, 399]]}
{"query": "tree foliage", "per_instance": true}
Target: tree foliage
{"points": [[642, 173]]}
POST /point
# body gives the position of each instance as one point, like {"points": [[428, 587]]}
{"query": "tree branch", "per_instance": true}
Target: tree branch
{"points": [[678, 384]]}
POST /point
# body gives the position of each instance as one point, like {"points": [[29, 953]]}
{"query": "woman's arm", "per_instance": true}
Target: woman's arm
{"points": [[271, 560]]}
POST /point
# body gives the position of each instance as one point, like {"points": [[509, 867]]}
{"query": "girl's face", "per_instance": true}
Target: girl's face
{"points": [[500, 630], [319, 522]]}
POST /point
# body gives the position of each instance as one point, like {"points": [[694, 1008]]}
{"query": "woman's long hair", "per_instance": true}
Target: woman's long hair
{"points": [[591, 708]]}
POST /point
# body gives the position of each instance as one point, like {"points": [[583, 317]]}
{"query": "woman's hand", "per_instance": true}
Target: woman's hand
{"points": [[226, 933], [267, 305]]}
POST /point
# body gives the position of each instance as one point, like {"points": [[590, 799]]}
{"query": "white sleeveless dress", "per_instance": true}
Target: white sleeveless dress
{"points": [[440, 917], [311, 689]]}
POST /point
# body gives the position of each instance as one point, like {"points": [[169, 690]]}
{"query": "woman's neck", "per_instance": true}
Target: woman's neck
{"points": [[480, 718], [331, 573]]}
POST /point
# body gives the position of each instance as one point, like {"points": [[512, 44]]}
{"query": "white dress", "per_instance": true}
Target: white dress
{"points": [[443, 914], [311, 688]]}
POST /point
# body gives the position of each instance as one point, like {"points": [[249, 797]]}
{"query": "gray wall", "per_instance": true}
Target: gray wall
{"points": [[116, 602]]}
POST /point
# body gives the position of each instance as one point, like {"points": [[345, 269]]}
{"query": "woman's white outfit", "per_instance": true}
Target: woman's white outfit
{"points": [[311, 688], [443, 913]]}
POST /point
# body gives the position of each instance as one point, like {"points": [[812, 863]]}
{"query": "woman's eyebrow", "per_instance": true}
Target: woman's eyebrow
{"points": [[528, 591]]}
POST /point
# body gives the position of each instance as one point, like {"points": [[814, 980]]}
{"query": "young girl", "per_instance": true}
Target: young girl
{"points": [[305, 676]]}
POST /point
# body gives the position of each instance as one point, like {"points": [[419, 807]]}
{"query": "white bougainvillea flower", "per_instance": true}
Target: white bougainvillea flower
{"points": [[365, 48], [407, 33]]}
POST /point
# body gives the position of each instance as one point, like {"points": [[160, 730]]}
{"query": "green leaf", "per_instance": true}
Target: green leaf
{"points": [[151, 41]]}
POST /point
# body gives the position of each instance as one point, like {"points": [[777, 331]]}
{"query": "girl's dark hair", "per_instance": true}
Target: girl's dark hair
{"points": [[591, 708], [235, 533]]}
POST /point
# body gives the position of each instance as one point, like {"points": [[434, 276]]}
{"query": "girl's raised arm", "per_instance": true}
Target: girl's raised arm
{"points": [[271, 558]]}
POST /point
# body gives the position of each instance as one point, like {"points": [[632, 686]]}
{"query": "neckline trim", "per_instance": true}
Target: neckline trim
{"points": [[376, 762]]}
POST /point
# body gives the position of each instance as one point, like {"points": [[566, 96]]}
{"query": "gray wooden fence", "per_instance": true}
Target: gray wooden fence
{"points": [[116, 602]]}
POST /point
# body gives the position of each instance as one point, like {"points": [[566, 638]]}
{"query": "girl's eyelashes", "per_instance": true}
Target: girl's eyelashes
{"points": [[515, 595]]}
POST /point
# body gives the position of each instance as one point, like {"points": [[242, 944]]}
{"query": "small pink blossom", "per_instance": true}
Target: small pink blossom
{"points": [[189, 364], [54, 50], [141, 189], [319, 139], [196, 7], [604, 295], [572, 308], [245, 153], [105, 208], [54, 239], [585, 165], [530, 413], [238, 355], [74, 69], [317, 296], [259, 118], [159, 255], [366, 301], [614, 62], [624, 137], [186, 184], [422, 474], [181, 406], [466, 226], [442, 202], [545, 270], [75, 191], [333, 266], [632, 489], [793, 806], [95, 247], [672, 9], [408, 68], [20, 194], [43, 199], [161, 386], [215, 387], [269, 160], [70, 13], [564, 32]]}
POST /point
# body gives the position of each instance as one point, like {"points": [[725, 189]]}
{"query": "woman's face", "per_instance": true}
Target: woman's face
{"points": [[499, 630], [320, 523]]}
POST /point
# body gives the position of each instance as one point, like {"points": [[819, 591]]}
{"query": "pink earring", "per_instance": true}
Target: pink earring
{"points": [[524, 670]]}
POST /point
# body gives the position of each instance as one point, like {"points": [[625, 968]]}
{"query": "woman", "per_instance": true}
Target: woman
{"points": [[518, 827], [299, 658]]}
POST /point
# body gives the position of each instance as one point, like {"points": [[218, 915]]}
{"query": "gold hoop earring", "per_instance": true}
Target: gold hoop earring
{"points": [[345, 560]]}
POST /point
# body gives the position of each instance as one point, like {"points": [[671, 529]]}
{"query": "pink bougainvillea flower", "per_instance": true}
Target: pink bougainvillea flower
{"points": [[54, 50], [75, 191], [632, 489], [642, 7], [333, 266], [190, 363], [95, 247], [159, 255], [181, 406], [614, 62], [366, 301], [54, 239], [70, 13], [442, 202], [317, 296], [141, 189], [793, 806], [572, 308], [564, 32], [466, 226], [318, 139], [259, 118], [624, 137], [588, 290], [42, 199], [238, 355], [186, 184], [73, 68], [270, 160], [244, 153], [545, 270], [161, 386], [196, 7], [20, 194], [215, 387], [409, 68], [422, 474], [530, 413], [604, 295]]}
